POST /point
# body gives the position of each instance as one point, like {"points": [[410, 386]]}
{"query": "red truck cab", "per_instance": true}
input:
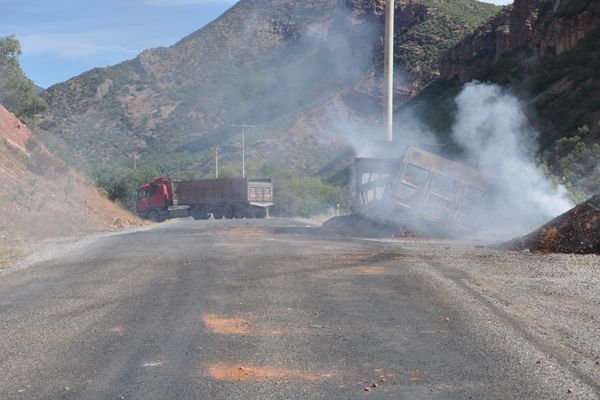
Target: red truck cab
{"points": [[154, 198]]}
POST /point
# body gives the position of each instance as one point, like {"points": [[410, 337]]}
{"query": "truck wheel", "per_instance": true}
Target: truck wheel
{"points": [[228, 212], [238, 212], [200, 214], [154, 216], [261, 214], [218, 213], [250, 214]]}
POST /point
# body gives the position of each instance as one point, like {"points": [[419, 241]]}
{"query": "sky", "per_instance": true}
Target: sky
{"points": [[63, 38]]}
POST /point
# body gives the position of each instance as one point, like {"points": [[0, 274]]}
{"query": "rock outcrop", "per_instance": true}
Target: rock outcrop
{"points": [[545, 27]]}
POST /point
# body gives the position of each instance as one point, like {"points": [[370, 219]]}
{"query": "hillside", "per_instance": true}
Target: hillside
{"points": [[286, 66], [42, 197], [548, 53]]}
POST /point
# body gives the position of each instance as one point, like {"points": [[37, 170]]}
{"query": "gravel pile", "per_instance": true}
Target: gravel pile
{"points": [[576, 231]]}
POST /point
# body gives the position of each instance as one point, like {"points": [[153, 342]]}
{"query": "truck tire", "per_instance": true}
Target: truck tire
{"points": [[198, 213], [217, 213], [154, 216], [228, 212], [238, 212], [261, 214]]}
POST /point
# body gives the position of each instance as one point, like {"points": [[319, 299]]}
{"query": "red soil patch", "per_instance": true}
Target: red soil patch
{"points": [[415, 376], [371, 271], [13, 129], [235, 326], [244, 373]]}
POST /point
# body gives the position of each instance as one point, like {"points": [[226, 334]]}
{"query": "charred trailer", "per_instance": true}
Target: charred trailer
{"points": [[423, 189], [164, 198]]}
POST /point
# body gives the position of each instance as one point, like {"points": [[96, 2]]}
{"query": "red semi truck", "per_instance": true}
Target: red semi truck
{"points": [[164, 198]]}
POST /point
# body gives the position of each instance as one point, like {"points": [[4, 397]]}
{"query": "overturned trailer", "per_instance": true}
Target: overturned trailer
{"points": [[422, 190]]}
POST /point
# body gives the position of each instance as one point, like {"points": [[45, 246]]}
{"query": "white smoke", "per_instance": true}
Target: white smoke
{"points": [[494, 131]]}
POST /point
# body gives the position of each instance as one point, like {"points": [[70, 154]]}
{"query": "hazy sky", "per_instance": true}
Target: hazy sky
{"points": [[63, 38]]}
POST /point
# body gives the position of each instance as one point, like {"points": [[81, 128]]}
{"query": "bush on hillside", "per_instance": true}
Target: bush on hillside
{"points": [[120, 183]]}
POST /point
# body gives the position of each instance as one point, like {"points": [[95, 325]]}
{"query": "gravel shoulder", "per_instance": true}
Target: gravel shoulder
{"points": [[549, 301]]}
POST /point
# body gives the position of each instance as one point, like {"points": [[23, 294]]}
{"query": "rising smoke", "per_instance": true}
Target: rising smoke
{"points": [[494, 131]]}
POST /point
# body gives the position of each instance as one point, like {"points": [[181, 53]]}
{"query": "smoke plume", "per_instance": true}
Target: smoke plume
{"points": [[494, 131]]}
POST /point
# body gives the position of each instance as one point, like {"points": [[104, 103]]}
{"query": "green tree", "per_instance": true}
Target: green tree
{"points": [[17, 92], [120, 183]]}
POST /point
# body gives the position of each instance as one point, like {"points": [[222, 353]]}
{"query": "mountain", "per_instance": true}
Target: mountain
{"points": [[548, 53], [286, 66]]}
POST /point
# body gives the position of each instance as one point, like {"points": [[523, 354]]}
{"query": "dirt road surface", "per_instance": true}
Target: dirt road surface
{"points": [[264, 309]]}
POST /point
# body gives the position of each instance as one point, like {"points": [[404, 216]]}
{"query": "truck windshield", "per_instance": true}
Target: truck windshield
{"points": [[144, 194]]}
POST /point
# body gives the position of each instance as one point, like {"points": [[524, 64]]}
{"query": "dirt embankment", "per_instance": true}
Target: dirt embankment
{"points": [[576, 231], [42, 197]]}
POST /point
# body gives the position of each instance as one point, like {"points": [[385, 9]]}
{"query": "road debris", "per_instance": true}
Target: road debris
{"points": [[356, 226]]}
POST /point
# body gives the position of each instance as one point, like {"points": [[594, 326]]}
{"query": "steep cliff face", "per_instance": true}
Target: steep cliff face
{"points": [[546, 27], [548, 53]]}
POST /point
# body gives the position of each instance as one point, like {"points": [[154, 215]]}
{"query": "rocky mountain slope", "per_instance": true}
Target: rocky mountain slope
{"points": [[287, 66], [41, 196], [545, 27], [548, 53]]}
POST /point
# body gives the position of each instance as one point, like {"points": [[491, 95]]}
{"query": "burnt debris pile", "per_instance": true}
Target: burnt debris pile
{"points": [[576, 231], [356, 226]]}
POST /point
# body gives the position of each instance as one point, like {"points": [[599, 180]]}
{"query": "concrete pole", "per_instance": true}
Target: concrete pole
{"points": [[243, 151], [388, 69], [243, 145], [216, 164]]}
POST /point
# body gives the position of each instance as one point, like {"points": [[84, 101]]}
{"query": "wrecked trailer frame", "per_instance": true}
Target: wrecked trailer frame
{"points": [[420, 187]]}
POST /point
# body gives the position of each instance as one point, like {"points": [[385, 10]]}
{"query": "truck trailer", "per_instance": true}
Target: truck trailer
{"points": [[164, 198], [421, 188]]}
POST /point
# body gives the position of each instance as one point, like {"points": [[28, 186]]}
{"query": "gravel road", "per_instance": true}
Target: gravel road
{"points": [[268, 309]]}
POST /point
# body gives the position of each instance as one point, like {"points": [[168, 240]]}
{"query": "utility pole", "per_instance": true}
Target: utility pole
{"points": [[388, 69], [217, 163], [135, 161], [243, 127]]}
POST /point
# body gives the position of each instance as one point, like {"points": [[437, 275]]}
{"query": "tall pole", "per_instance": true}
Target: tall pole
{"points": [[243, 145], [243, 151], [388, 68], [216, 164]]}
